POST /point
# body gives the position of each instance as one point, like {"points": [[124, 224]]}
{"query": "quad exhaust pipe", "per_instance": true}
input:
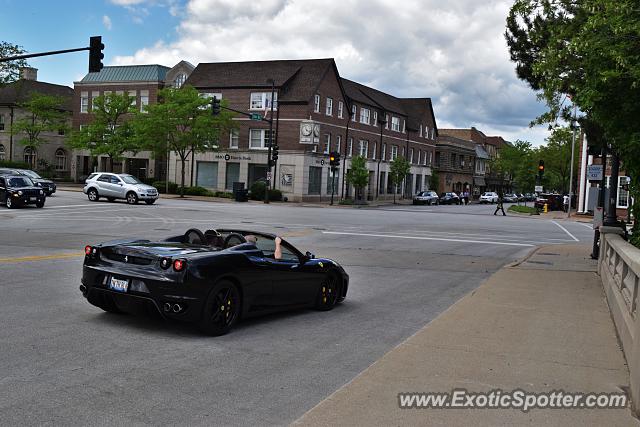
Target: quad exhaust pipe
{"points": [[176, 308]]}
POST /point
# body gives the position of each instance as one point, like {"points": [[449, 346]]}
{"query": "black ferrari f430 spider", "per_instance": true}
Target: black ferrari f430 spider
{"points": [[211, 279]]}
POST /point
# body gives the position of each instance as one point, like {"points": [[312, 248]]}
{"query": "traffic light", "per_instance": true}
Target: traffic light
{"points": [[215, 106], [274, 152], [95, 54], [334, 159], [541, 168]]}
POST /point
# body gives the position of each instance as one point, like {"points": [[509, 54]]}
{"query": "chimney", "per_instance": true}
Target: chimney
{"points": [[29, 73]]}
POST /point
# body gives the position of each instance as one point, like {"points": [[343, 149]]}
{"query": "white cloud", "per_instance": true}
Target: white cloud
{"points": [[106, 21], [453, 52], [127, 2]]}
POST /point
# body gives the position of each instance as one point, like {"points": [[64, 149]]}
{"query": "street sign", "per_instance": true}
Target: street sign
{"points": [[256, 116], [594, 172], [538, 189]]}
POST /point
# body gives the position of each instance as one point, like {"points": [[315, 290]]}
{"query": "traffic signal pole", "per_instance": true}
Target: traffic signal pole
{"points": [[267, 187]]}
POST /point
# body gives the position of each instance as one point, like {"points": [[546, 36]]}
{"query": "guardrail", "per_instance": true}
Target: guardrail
{"points": [[619, 269]]}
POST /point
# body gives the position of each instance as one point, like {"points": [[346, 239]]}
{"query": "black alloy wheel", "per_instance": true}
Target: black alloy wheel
{"points": [[328, 293], [222, 309]]}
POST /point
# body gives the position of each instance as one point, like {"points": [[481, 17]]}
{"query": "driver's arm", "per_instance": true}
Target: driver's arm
{"points": [[277, 254]]}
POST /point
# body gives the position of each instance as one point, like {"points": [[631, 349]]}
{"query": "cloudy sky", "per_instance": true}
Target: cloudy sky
{"points": [[453, 52]]}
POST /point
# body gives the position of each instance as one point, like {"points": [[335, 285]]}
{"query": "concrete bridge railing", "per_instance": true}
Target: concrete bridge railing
{"points": [[619, 268]]}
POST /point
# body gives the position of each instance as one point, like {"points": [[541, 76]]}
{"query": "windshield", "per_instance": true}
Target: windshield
{"points": [[31, 174], [130, 179], [20, 181]]}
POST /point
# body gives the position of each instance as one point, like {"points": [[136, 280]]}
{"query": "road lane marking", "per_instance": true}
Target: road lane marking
{"points": [[41, 257], [566, 231], [589, 226], [428, 238]]}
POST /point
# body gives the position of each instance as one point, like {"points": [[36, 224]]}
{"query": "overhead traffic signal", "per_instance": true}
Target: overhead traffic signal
{"points": [[215, 106], [541, 168], [334, 159], [274, 152], [95, 54]]}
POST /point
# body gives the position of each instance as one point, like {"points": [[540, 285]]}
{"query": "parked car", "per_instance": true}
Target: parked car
{"points": [[19, 190], [530, 197], [489, 197], [449, 199], [426, 198], [47, 185], [114, 186], [510, 198], [553, 202], [211, 279]]}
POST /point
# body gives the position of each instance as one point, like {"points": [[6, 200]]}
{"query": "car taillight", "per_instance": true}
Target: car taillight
{"points": [[87, 250], [179, 264]]}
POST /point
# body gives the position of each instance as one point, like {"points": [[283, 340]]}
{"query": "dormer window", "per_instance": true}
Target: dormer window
{"points": [[179, 80]]}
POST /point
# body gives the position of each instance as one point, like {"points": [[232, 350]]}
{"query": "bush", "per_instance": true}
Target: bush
{"points": [[257, 190], [523, 209], [346, 202], [14, 165], [162, 185], [223, 194], [275, 195], [197, 191]]}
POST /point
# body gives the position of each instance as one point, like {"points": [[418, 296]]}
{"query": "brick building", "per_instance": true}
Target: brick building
{"points": [[141, 82], [455, 163], [52, 153], [316, 112]]}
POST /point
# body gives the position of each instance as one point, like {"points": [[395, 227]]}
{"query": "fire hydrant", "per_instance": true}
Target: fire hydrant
{"points": [[545, 208]]}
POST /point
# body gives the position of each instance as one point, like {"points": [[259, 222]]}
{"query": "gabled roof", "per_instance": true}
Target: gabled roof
{"points": [[20, 91], [296, 79], [481, 152], [366, 95], [416, 109], [128, 73]]}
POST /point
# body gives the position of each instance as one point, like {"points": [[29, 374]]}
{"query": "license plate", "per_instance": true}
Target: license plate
{"points": [[32, 199], [119, 285]]}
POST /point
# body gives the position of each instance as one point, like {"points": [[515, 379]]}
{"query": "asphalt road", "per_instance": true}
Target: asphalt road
{"points": [[63, 361]]}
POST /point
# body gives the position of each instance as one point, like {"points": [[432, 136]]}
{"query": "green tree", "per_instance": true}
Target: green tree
{"points": [[434, 181], [45, 113], [181, 122], [110, 132], [10, 70], [358, 175], [516, 163], [398, 171], [557, 159]]}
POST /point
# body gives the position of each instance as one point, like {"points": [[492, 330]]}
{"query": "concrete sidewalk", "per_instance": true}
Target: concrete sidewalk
{"points": [[539, 325]]}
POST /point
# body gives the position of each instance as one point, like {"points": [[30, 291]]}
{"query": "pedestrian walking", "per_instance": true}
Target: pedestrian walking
{"points": [[500, 206], [565, 202], [466, 197]]}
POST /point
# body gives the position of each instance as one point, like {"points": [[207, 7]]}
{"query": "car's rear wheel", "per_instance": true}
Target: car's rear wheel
{"points": [[328, 293], [222, 309], [92, 195], [150, 202], [9, 203], [132, 198]]}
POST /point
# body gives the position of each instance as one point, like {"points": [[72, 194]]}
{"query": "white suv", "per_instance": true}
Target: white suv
{"points": [[114, 186], [489, 197]]}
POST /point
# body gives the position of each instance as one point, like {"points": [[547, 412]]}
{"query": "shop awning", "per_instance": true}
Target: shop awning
{"points": [[479, 181]]}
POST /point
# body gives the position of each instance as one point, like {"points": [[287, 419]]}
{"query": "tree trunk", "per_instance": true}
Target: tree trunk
{"points": [[182, 160], [395, 190]]}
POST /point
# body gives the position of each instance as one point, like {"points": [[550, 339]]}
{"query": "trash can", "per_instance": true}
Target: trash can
{"points": [[239, 192]]}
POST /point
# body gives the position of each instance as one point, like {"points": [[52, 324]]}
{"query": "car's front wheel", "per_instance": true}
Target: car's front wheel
{"points": [[132, 198], [328, 293], [222, 309], [92, 195], [40, 204], [9, 203]]}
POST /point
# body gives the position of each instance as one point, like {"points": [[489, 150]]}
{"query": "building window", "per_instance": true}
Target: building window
{"points": [[234, 138], [316, 103], [132, 95], [386, 123], [3, 153], [395, 124], [350, 147], [144, 100], [232, 174], [61, 160], [453, 160], [404, 126], [433, 133], [329, 108], [403, 153], [84, 102], [375, 118], [375, 148], [426, 132], [61, 131], [1, 121], [363, 148], [420, 130], [327, 143], [338, 143], [340, 109], [411, 155], [259, 139], [30, 156], [384, 152], [179, 80], [419, 156], [262, 101], [354, 110], [394, 152], [623, 195], [332, 180], [315, 179], [365, 116]]}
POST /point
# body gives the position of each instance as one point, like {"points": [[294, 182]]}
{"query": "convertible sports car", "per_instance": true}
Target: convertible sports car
{"points": [[212, 279]]}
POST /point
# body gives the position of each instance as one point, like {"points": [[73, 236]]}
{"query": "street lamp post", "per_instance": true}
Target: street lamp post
{"points": [[267, 187], [573, 146]]}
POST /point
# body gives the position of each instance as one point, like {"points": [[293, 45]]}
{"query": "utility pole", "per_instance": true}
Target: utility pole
{"points": [[595, 251], [573, 146]]}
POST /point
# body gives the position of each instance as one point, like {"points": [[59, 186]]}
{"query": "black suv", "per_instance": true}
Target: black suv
{"points": [[47, 185], [19, 190]]}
